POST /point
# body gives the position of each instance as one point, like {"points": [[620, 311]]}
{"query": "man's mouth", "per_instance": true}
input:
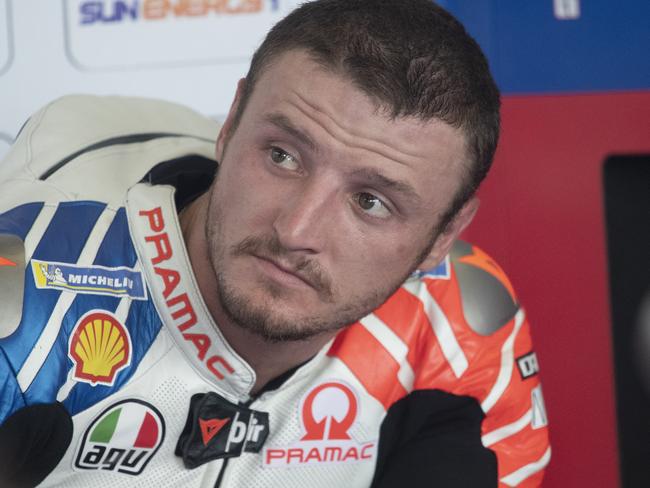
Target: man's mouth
{"points": [[283, 272], [272, 259]]}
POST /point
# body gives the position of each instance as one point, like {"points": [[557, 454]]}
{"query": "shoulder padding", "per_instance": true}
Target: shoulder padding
{"points": [[487, 296], [86, 147]]}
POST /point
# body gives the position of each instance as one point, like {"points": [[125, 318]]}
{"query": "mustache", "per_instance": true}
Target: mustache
{"points": [[270, 247]]}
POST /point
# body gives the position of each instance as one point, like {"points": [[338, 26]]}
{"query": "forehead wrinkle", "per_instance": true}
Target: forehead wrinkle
{"points": [[282, 122], [342, 133]]}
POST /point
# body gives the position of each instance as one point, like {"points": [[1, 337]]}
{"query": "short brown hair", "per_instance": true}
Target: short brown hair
{"points": [[411, 56]]}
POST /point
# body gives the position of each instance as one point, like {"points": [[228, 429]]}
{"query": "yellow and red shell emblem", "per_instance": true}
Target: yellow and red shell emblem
{"points": [[100, 347]]}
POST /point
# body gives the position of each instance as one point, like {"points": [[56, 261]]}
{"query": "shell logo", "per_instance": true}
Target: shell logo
{"points": [[100, 347]]}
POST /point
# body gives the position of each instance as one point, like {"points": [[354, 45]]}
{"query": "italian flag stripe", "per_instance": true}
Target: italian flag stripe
{"points": [[148, 434], [129, 425], [106, 428]]}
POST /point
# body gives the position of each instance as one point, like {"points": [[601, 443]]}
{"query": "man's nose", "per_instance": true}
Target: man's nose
{"points": [[305, 217]]}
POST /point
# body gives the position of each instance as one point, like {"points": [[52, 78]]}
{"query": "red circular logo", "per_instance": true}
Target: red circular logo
{"points": [[328, 411]]}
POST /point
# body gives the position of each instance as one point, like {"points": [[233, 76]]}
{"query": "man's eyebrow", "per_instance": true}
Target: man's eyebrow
{"points": [[375, 178], [282, 122], [366, 174]]}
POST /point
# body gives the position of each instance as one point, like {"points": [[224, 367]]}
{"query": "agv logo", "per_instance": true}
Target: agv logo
{"points": [[123, 438]]}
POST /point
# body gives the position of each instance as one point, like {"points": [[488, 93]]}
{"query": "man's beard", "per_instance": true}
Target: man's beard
{"points": [[258, 316]]}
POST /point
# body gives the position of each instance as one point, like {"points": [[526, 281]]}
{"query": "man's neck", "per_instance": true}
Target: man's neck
{"points": [[268, 359]]}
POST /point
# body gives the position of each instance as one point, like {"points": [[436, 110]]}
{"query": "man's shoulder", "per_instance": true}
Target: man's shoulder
{"points": [[86, 147], [441, 326], [467, 288], [452, 321], [486, 295]]}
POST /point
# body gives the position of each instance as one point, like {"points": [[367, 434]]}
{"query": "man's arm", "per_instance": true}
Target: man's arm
{"points": [[32, 442], [476, 415], [433, 438], [33, 438]]}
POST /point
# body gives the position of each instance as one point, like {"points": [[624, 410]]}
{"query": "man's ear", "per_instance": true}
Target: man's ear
{"points": [[445, 240], [228, 126]]}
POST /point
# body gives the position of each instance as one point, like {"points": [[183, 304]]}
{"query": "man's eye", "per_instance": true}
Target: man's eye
{"points": [[283, 159], [372, 205]]}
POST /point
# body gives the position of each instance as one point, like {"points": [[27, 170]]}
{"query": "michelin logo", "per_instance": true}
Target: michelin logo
{"points": [[95, 280]]}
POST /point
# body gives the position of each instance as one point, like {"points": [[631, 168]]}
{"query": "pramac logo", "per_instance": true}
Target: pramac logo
{"points": [[327, 413], [332, 415], [100, 347]]}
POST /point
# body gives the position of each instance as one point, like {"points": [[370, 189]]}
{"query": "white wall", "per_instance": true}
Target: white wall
{"points": [[189, 51]]}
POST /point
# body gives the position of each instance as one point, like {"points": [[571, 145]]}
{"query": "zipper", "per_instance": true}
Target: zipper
{"points": [[217, 484], [114, 141], [274, 384], [223, 470]]}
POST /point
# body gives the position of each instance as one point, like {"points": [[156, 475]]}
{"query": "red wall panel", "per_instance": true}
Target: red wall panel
{"points": [[542, 217]]}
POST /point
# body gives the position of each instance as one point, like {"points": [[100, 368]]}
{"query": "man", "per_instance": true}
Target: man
{"points": [[304, 320]]}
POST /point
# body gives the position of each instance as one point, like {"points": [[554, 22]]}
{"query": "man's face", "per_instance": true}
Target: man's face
{"points": [[323, 204]]}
